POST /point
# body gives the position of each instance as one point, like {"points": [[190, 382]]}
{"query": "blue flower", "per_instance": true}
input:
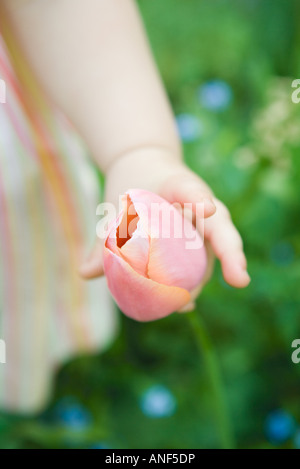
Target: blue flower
{"points": [[282, 254], [100, 445], [189, 127], [215, 95], [158, 402], [280, 426], [72, 415]]}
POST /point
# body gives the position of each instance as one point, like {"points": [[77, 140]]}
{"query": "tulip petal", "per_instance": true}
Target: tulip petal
{"points": [[153, 211], [128, 222], [136, 251], [111, 240], [177, 254], [138, 297], [171, 263]]}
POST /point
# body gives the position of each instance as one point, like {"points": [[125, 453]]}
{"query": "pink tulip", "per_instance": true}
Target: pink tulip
{"points": [[149, 267]]}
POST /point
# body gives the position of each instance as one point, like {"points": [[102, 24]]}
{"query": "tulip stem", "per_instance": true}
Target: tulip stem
{"points": [[213, 372]]}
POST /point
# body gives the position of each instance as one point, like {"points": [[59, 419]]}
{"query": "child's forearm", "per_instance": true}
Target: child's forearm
{"points": [[93, 60]]}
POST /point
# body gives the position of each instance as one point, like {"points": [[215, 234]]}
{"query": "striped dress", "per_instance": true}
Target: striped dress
{"points": [[49, 192]]}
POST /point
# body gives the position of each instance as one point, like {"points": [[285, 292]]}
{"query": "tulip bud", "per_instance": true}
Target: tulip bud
{"points": [[150, 263]]}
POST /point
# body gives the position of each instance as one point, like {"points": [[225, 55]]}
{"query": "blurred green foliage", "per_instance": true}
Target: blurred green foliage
{"points": [[250, 154]]}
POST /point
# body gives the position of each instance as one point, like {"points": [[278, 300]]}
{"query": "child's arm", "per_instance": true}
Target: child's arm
{"points": [[93, 60]]}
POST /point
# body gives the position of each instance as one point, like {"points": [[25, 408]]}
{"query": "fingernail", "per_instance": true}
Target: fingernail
{"points": [[206, 205], [248, 276], [243, 269], [243, 262], [208, 202], [187, 308]]}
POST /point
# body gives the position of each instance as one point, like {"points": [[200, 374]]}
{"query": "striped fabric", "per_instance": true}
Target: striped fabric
{"points": [[48, 198]]}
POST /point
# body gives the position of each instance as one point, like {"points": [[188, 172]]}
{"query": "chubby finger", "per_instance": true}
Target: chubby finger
{"points": [[92, 267], [189, 189], [227, 244]]}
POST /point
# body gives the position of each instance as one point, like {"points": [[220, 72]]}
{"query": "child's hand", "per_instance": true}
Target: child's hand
{"points": [[176, 183], [118, 104]]}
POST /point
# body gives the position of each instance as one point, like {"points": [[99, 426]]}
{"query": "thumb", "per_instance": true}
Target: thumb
{"points": [[92, 267]]}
